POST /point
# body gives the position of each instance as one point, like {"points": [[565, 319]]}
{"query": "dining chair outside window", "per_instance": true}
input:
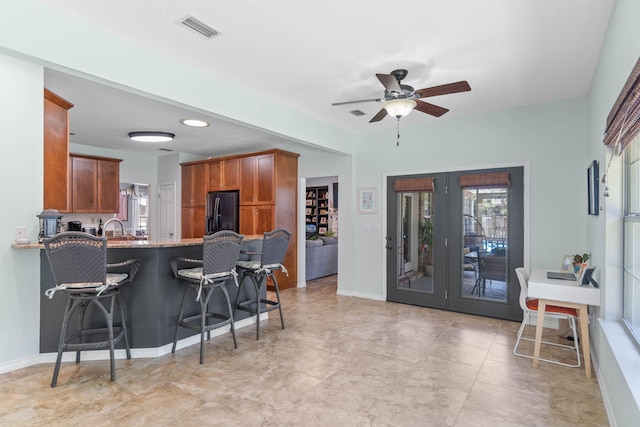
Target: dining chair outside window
{"points": [[220, 253], [274, 249], [80, 270], [530, 308]]}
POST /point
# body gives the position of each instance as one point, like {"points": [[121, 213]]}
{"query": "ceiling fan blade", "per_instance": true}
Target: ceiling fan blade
{"points": [[456, 87], [355, 102], [389, 82], [425, 107], [381, 115]]}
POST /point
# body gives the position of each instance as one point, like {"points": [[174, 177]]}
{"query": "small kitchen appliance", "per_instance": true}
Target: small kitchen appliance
{"points": [[50, 223], [74, 226]]}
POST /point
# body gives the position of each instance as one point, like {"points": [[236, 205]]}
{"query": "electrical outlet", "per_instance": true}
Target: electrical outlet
{"points": [[21, 232]]}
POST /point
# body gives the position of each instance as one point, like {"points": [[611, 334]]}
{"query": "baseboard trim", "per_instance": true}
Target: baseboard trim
{"points": [[136, 353]]}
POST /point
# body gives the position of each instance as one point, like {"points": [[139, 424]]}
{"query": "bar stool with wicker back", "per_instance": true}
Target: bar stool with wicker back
{"points": [[80, 270], [220, 254], [274, 249]]}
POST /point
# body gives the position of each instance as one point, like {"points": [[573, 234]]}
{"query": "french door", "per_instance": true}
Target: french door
{"points": [[454, 240]]}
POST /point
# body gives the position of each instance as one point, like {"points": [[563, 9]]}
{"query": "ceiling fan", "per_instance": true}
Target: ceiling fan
{"points": [[400, 99]]}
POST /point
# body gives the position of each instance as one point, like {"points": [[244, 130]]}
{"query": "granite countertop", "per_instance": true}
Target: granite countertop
{"points": [[120, 244]]}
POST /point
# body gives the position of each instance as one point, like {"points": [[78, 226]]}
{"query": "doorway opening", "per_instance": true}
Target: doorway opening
{"points": [[321, 227]]}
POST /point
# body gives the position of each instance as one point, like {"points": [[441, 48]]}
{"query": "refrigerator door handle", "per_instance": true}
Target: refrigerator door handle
{"points": [[216, 215]]}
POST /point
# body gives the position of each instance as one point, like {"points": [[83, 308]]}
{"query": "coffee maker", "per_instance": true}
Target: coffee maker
{"points": [[50, 223]]}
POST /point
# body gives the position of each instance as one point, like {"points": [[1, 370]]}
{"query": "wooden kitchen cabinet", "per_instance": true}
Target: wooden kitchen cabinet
{"points": [[257, 180], [94, 184], [194, 179], [256, 219], [56, 152], [268, 188], [224, 175], [193, 222]]}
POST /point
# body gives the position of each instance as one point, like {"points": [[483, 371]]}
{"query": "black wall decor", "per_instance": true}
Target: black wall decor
{"points": [[593, 186]]}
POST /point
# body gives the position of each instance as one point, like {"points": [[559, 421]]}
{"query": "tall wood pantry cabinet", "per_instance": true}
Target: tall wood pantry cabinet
{"points": [[268, 186]]}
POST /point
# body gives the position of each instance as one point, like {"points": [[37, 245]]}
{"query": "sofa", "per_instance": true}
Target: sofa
{"points": [[321, 257]]}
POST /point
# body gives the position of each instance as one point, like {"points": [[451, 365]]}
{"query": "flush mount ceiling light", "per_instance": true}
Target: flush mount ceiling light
{"points": [[399, 107], [151, 136], [196, 123]]}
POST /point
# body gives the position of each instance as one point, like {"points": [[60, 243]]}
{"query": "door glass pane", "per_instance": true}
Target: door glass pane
{"points": [[485, 242], [415, 234]]}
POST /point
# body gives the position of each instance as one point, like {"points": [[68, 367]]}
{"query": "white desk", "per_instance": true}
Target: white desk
{"points": [[563, 293]]}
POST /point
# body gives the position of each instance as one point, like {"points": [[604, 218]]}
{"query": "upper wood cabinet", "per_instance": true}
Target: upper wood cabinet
{"points": [[56, 152], [257, 180], [194, 179], [224, 175], [94, 184]]}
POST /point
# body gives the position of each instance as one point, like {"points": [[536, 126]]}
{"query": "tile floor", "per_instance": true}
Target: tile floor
{"points": [[341, 362]]}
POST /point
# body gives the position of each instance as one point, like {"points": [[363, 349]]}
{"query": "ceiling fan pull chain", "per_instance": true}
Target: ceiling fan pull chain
{"points": [[398, 140]]}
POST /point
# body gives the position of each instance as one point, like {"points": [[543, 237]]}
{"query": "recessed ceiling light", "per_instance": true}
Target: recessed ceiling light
{"points": [[194, 123], [148, 136]]}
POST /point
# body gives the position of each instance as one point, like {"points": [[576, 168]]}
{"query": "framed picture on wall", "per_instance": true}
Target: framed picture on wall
{"points": [[593, 186], [367, 200]]}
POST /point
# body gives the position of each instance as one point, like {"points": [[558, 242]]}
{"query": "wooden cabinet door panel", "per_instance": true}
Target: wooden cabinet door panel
{"points": [[231, 174], [198, 222], [187, 185], [247, 177], [247, 218], [56, 153], [84, 186], [194, 184], [199, 184], [193, 222], [108, 186], [215, 182], [264, 179], [264, 219]]}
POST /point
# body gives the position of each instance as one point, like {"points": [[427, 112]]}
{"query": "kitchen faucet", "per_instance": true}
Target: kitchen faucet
{"points": [[107, 222]]}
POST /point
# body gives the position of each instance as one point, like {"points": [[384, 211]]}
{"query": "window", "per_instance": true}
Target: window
{"points": [[631, 282]]}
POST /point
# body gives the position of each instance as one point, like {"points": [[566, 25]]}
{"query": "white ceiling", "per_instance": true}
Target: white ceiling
{"points": [[309, 55]]}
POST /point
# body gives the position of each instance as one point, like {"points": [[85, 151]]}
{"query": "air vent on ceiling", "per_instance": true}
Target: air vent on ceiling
{"points": [[196, 25], [357, 113]]}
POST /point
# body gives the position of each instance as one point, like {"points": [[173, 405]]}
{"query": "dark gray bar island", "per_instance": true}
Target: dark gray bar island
{"points": [[152, 300]]}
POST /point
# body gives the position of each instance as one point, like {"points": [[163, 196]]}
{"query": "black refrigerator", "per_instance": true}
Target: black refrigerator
{"points": [[222, 211]]}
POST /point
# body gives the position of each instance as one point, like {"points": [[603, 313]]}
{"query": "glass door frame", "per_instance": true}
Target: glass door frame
{"points": [[452, 265]]}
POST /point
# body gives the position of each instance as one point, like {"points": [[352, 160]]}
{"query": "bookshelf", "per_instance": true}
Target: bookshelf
{"points": [[317, 210]]}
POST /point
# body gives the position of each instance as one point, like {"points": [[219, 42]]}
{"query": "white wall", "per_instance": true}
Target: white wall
{"points": [[21, 119], [617, 358], [314, 163], [549, 138]]}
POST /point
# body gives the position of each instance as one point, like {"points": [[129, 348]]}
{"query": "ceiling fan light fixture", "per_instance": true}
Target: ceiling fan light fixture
{"points": [[399, 107], [196, 123], [151, 136]]}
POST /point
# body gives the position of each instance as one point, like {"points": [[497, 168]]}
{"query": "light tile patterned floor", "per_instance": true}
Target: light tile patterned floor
{"points": [[341, 362]]}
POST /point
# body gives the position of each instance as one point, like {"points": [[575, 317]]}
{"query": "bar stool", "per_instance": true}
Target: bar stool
{"points": [[274, 249], [80, 270], [220, 253]]}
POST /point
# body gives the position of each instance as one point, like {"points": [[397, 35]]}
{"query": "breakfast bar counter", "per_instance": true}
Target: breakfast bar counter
{"points": [[152, 300]]}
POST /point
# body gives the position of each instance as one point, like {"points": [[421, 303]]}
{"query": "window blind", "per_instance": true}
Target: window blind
{"points": [[623, 122], [485, 180], [407, 185]]}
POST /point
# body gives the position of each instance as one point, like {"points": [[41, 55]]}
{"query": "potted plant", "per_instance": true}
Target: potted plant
{"points": [[425, 238], [578, 260]]}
